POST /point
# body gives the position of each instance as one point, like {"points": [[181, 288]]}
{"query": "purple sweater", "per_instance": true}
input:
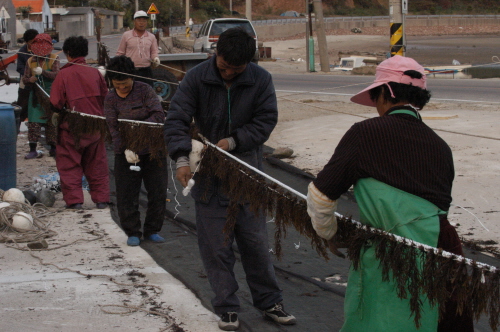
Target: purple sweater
{"points": [[140, 104]]}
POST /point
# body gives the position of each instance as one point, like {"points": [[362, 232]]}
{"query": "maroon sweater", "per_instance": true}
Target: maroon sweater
{"points": [[140, 104], [399, 150]]}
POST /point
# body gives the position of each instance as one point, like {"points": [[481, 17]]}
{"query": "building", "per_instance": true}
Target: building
{"points": [[7, 25], [82, 21]]}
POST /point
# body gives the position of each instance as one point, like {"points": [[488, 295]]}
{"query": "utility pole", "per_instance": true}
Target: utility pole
{"points": [[320, 33], [248, 9], [231, 7], [396, 7], [136, 5], [187, 19]]}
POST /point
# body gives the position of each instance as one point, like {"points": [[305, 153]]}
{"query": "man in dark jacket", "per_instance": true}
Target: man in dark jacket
{"points": [[233, 104]]}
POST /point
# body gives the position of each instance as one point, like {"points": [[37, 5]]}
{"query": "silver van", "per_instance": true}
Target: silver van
{"points": [[207, 37]]}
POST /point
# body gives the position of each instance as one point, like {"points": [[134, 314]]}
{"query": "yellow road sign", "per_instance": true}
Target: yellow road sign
{"points": [[153, 10]]}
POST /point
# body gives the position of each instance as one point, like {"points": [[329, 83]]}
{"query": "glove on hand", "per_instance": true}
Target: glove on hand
{"points": [[195, 154], [55, 119], [131, 156], [37, 71], [156, 62]]}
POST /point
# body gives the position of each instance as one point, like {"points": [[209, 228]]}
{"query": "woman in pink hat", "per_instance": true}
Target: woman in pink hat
{"points": [[402, 173], [41, 68]]}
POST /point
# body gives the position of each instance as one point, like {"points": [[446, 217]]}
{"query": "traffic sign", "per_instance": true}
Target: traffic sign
{"points": [[153, 10], [153, 17]]}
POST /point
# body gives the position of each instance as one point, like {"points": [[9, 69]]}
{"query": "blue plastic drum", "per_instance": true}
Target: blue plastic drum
{"points": [[8, 138]]}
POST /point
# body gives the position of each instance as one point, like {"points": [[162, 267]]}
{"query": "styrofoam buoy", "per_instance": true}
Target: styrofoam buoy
{"points": [[13, 195], [4, 204], [22, 221]]}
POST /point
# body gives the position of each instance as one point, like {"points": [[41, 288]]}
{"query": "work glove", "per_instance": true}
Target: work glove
{"points": [[102, 70], [195, 154], [131, 156], [156, 62], [37, 71], [55, 119]]}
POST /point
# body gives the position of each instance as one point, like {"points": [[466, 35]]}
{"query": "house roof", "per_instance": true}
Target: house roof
{"points": [[36, 5], [86, 10]]}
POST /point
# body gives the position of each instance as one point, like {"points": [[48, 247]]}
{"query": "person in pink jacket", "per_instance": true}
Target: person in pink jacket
{"points": [[80, 88]]}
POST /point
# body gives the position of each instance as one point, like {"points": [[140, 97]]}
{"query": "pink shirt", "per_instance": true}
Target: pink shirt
{"points": [[140, 49]]}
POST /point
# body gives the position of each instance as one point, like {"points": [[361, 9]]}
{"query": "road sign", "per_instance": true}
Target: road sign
{"points": [[153, 10], [4, 13], [404, 6], [153, 17]]}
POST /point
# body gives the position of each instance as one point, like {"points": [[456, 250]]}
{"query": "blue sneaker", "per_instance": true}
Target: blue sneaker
{"points": [[133, 241], [155, 238]]}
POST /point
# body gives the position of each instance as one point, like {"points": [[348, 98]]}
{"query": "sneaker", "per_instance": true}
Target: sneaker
{"points": [[155, 238], [279, 315], [101, 205], [76, 206], [133, 241], [229, 321]]}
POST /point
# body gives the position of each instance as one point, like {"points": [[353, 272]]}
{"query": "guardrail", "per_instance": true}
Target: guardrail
{"points": [[179, 30]]}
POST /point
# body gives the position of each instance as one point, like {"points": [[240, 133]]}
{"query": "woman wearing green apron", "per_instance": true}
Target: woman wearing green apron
{"points": [[402, 173], [41, 68]]}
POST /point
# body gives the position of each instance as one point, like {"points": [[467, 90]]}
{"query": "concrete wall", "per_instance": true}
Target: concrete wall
{"points": [[288, 30], [68, 29]]}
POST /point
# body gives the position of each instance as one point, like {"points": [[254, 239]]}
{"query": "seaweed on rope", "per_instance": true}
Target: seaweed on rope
{"points": [[139, 136], [416, 269], [83, 124]]}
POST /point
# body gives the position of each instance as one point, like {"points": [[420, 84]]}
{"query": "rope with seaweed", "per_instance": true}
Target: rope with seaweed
{"points": [[414, 267]]}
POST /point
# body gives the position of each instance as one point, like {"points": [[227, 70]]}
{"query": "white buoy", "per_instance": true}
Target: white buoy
{"points": [[13, 195], [22, 221]]}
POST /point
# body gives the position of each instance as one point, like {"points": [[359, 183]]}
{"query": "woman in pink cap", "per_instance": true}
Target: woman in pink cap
{"points": [[402, 173], [41, 68]]}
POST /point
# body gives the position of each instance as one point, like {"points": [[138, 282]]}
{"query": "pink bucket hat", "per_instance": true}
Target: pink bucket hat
{"points": [[42, 44], [391, 70]]}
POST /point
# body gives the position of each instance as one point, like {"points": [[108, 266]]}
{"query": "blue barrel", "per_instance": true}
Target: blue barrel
{"points": [[8, 138]]}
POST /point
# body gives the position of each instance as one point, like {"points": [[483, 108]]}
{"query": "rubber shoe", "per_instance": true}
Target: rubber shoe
{"points": [[155, 238], [33, 155], [133, 241], [76, 206], [101, 205], [279, 315], [229, 321]]}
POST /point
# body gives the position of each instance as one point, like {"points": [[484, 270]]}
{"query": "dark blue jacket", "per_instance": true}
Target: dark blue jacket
{"points": [[250, 104]]}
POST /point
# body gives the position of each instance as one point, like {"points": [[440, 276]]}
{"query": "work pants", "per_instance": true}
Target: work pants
{"points": [[128, 185], [89, 160], [218, 257]]}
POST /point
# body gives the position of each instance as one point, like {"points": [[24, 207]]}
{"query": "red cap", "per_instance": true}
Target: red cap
{"points": [[42, 44]]}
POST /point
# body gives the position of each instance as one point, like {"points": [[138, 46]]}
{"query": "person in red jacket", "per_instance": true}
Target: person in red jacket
{"points": [[80, 88]]}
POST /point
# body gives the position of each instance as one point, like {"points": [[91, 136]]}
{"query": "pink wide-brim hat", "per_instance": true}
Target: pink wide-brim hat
{"points": [[392, 70], [42, 44]]}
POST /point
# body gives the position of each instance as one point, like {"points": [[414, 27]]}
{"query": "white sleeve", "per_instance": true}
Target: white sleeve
{"points": [[321, 209]]}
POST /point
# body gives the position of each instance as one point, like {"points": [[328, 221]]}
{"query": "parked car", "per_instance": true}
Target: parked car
{"points": [[207, 37]]}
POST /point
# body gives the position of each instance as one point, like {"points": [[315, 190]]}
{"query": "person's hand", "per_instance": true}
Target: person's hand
{"points": [[183, 174], [223, 144], [156, 62], [131, 156], [32, 79]]}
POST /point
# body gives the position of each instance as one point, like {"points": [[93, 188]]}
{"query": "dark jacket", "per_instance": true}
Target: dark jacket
{"points": [[22, 58], [202, 95]]}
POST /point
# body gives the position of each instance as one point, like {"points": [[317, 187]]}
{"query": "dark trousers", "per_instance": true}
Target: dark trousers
{"points": [[128, 186], [144, 73], [218, 257], [451, 321]]}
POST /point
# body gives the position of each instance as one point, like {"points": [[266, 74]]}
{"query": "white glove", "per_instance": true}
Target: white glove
{"points": [[195, 154], [321, 209], [37, 71], [102, 70], [156, 62], [131, 156]]}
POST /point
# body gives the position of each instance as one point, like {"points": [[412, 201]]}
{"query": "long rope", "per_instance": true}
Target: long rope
{"points": [[397, 238]]}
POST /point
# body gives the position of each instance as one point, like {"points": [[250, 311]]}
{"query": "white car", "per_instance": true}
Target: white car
{"points": [[207, 37]]}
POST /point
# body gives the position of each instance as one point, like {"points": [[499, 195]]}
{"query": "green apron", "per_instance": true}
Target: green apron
{"points": [[36, 113], [370, 303]]}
